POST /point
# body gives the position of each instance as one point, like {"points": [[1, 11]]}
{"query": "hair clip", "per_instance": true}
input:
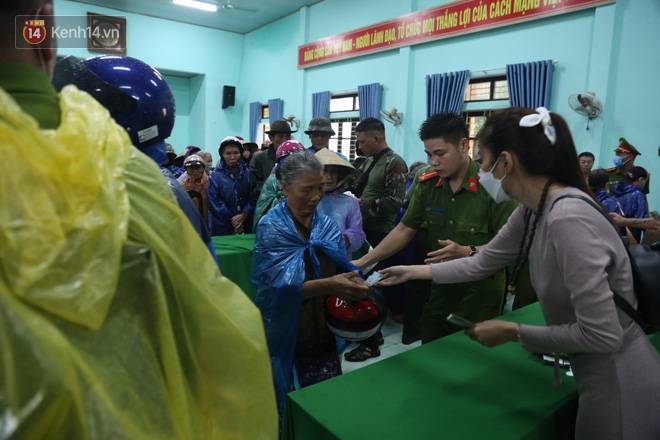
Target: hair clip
{"points": [[542, 116]]}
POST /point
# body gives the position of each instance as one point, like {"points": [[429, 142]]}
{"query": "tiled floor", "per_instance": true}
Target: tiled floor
{"points": [[392, 346]]}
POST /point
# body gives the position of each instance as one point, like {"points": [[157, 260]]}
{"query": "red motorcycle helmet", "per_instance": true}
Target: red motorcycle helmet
{"points": [[356, 320]]}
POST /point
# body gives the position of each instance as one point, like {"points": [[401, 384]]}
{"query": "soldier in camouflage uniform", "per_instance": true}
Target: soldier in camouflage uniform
{"points": [[381, 189]]}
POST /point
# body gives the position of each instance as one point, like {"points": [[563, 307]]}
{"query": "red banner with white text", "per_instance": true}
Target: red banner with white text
{"points": [[445, 21]]}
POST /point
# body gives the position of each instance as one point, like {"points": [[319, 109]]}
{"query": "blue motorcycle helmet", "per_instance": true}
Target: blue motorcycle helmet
{"points": [[137, 96]]}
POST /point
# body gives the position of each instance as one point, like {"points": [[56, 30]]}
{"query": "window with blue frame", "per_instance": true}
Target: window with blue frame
{"points": [[342, 110], [494, 88], [484, 91]]}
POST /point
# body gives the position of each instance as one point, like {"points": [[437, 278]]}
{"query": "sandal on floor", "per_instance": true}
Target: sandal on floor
{"points": [[361, 353]]}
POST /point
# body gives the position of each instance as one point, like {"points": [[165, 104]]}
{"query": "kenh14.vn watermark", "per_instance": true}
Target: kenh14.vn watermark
{"points": [[70, 31]]}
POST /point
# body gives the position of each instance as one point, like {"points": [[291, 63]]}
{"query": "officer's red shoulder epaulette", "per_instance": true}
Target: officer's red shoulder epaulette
{"points": [[472, 183], [427, 175]]}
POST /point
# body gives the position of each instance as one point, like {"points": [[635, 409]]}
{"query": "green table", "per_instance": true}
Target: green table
{"points": [[452, 388], [235, 255]]}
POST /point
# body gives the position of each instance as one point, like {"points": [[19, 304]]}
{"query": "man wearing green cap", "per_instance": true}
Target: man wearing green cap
{"points": [[320, 131], [262, 162]]}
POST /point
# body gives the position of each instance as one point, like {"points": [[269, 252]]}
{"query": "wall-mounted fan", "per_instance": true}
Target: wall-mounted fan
{"points": [[292, 120], [393, 116], [586, 104]]}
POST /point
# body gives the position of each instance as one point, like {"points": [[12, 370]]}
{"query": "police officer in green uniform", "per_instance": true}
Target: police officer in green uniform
{"points": [[459, 216], [624, 162]]}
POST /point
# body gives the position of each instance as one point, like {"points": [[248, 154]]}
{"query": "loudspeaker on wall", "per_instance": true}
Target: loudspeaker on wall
{"points": [[228, 96]]}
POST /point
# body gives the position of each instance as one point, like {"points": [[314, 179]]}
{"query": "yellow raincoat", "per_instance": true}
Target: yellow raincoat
{"points": [[114, 319]]}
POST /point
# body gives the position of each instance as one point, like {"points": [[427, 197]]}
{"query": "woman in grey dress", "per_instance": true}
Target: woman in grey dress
{"points": [[576, 263]]}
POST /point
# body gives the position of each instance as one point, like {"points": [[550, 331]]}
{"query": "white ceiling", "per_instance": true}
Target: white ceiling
{"points": [[234, 20]]}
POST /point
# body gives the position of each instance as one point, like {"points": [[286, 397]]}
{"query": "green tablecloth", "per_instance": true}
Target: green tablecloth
{"points": [[235, 255], [452, 388]]}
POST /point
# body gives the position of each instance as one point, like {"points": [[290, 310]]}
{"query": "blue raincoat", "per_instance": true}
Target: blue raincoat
{"points": [[230, 193], [174, 170], [279, 275], [631, 200], [607, 201], [632, 204]]}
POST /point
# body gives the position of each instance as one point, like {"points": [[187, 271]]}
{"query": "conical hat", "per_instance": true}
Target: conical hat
{"points": [[327, 157]]}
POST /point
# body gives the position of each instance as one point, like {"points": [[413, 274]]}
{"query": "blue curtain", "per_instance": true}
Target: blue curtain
{"points": [[370, 96], [255, 118], [445, 92], [321, 105], [530, 84], [275, 110]]}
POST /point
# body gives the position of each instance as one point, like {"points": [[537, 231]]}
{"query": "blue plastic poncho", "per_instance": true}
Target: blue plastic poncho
{"points": [[279, 275], [631, 200], [607, 201], [631, 203]]}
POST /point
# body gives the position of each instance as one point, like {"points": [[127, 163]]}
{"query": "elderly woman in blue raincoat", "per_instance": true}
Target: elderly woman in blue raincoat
{"points": [[300, 259]]}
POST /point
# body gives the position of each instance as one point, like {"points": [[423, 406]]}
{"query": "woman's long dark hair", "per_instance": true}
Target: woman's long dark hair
{"points": [[536, 154], [539, 157]]}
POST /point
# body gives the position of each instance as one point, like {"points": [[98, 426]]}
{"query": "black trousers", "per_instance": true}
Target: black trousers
{"points": [[416, 291]]}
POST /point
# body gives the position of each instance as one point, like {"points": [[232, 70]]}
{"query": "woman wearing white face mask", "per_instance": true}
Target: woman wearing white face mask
{"points": [[577, 264]]}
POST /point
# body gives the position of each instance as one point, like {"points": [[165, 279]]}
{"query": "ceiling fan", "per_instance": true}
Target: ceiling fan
{"points": [[229, 6]]}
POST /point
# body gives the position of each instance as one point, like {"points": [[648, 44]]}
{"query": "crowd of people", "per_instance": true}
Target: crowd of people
{"points": [[622, 190], [235, 194], [320, 208], [103, 251]]}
